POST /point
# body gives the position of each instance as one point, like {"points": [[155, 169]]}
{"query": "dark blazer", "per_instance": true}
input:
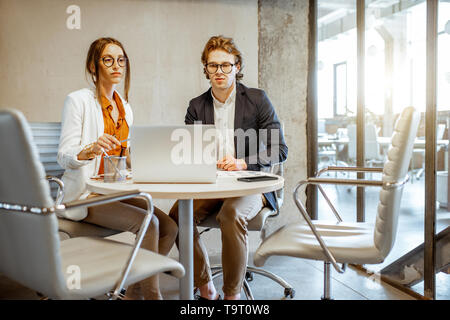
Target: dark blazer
{"points": [[253, 113]]}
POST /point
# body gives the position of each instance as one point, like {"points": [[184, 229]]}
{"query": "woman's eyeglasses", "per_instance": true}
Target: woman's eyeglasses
{"points": [[109, 61]]}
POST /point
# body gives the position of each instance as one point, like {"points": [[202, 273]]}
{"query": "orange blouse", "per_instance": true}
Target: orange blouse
{"points": [[119, 130]]}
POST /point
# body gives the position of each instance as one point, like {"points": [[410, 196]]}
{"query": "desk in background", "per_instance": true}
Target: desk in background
{"points": [[384, 142]]}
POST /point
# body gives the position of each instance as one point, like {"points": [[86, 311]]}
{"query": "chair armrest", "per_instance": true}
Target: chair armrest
{"points": [[60, 194], [305, 215], [279, 194], [280, 165], [102, 199], [352, 182], [349, 169], [146, 221], [340, 181], [360, 182], [319, 181]]}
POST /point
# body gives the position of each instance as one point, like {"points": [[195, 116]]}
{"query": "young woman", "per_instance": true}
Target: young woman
{"points": [[97, 119]]}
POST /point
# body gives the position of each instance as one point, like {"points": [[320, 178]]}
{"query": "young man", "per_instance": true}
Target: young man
{"points": [[250, 138]]}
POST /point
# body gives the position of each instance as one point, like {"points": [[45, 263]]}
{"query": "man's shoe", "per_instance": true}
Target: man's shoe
{"points": [[200, 298]]}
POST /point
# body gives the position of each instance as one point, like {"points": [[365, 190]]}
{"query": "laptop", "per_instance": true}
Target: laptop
{"points": [[173, 154]]}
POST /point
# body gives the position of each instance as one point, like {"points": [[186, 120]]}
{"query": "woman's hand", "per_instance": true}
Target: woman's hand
{"points": [[106, 142], [126, 153]]}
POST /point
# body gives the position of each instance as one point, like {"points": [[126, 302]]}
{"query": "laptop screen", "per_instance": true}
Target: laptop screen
{"points": [[173, 154]]}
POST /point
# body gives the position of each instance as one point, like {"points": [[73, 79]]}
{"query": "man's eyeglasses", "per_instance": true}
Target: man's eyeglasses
{"points": [[213, 67], [109, 61]]}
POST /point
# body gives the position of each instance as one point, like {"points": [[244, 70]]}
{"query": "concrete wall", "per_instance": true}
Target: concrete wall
{"points": [[43, 60], [283, 70]]}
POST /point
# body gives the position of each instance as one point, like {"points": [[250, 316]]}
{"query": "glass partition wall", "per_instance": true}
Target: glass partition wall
{"points": [[442, 279], [395, 76]]}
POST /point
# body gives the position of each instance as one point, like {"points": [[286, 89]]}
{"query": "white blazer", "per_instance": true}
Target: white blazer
{"points": [[82, 124]]}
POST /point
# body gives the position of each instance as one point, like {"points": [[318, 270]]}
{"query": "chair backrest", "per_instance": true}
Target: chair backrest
{"points": [[371, 147], [29, 242], [278, 169], [440, 131], [321, 128], [46, 138], [395, 169]]}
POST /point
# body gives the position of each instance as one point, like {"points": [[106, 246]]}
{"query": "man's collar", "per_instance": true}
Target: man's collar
{"points": [[231, 98]]}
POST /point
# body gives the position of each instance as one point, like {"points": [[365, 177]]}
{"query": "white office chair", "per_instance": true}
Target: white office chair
{"points": [[71, 229], [255, 224], [31, 252], [327, 154], [420, 152], [350, 242], [372, 153]]}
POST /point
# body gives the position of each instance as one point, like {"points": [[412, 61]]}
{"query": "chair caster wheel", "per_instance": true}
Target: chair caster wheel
{"points": [[249, 276], [289, 292]]}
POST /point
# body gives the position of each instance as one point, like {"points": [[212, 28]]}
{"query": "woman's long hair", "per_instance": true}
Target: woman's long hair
{"points": [[93, 59]]}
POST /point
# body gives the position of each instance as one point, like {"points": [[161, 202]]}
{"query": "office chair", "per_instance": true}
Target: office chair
{"points": [[31, 252], [350, 242], [420, 152], [372, 153], [71, 229], [255, 224], [329, 155]]}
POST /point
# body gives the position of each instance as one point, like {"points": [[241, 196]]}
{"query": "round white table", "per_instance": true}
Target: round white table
{"points": [[226, 186]]}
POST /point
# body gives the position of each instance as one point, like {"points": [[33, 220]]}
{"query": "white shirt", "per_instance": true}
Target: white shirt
{"points": [[224, 123]]}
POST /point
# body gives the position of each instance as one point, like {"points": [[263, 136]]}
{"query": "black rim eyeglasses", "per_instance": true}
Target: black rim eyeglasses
{"points": [[212, 68]]}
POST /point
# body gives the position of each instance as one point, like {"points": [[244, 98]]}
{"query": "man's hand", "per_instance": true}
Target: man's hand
{"points": [[230, 163]]}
